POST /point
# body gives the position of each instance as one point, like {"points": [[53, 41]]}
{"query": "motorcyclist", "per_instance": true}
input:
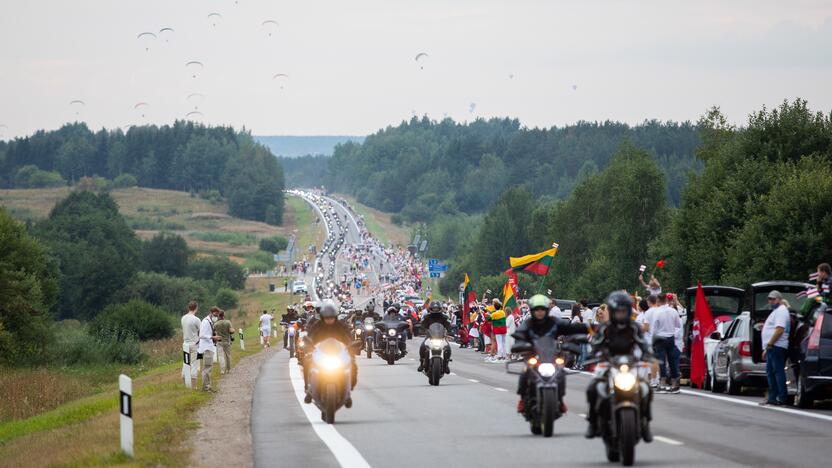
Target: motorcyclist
{"points": [[538, 325], [393, 320], [436, 314], [290, 316], [328, 326], [620, 336]]}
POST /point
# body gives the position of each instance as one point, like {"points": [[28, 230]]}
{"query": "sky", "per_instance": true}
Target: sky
{"points": [[351, 63]]}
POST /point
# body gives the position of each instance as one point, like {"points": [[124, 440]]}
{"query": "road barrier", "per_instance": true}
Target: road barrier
{"points": [[125, 387]]}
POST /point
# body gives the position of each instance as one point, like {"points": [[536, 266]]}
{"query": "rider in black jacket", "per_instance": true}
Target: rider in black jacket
{"points": [[436, 314], [538, 325], [619, 337], [290, 316], [328, 326]]}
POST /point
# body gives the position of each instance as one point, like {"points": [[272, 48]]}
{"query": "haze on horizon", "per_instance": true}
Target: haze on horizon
{"points": [[352, 71]]}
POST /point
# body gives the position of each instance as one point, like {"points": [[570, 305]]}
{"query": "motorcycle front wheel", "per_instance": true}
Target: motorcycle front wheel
{"points": [[329, 405], [627, 433], [435, 370], [548, 411]]}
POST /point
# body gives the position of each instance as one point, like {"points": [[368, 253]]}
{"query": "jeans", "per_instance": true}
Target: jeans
{"points": [[666, 351], [776, 374]]}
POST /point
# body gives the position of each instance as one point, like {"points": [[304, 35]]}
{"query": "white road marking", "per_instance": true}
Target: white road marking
{"points": [[474, 380], [411, 359], [667, 440], [452, 373], [740, 401], [500, 389], [345, 453], [582, 415]]}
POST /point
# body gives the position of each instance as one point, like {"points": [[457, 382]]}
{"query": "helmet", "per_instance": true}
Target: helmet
{"points": [[435, 307], [308, 305], [539, 301], [329, 309], [397, 306], [392, 310], [619, 300]]}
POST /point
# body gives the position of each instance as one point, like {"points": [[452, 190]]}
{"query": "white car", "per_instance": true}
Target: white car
{"points": [[299, 287]]}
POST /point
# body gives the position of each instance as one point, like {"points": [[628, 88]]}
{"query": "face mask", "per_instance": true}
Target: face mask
{"points": [[214, 318]]}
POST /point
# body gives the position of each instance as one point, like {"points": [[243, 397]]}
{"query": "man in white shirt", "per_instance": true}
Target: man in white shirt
{"points": [[555, 311], [662, 323], [207, 346], [266, 327], [587, 314], [775, 339], [190, 338]]}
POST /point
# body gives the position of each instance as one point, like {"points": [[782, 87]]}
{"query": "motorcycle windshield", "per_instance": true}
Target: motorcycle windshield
{"points": [[436, 330], [546, 348], [369, 321], [331, 346]]}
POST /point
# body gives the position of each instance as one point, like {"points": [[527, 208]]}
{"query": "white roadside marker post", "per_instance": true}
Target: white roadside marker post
{"points": [[125, 386], [242, 341], [186, 361]]}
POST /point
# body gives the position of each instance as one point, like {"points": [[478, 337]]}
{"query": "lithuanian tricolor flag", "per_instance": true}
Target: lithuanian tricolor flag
{"points": [[468, 296], [509, 301], [536, 264]]}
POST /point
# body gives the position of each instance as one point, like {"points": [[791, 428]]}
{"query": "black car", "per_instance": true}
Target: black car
{"points": [[815, 379]]}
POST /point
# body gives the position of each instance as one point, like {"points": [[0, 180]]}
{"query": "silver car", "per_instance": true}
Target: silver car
{"points": [[732, 364]]}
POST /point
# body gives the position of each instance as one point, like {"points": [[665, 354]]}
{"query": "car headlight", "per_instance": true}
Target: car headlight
{"points": [[624, 381], [391, 332], [437, 343], [546, 369]]}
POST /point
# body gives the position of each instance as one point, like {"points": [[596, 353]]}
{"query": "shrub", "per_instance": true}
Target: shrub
{"points": [[144, 223], [144, 320], [273, 244], [233, 238], [75, 346], [161, 290], [226, 299], [259, 261], [165, 253], [31, 176], [125, 180], [221, 270]]}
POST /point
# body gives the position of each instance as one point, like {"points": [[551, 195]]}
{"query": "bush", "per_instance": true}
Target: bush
{"points": [[75, 346], [273, 244], [94, 184], [32, 177], [259, 261], [226, 299], [125, 181], [144, 223], [161, 290], [144, 320], [233, 238], [221, 270], [165, 253], [212, 196]]}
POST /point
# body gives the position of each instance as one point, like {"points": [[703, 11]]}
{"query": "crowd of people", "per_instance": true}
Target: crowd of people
{"points": [[205, 341]]}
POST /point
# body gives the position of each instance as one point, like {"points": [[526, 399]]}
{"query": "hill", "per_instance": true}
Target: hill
{"points": [[288, 146]]}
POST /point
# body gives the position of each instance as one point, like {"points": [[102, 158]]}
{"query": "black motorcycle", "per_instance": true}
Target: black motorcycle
{"points": [[622, 396], [390, 335], [436, 343], [544, 368], [369, 336]]}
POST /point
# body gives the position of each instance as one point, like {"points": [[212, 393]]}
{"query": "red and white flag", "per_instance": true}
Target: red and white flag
{"points": [[703, 325]]}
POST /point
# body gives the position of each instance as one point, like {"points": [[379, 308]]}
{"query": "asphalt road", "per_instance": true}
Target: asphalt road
{"points": [[469, 420]]}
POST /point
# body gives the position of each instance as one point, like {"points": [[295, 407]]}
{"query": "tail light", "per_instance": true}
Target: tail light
{"points": [[814, 338], [745, 348]]}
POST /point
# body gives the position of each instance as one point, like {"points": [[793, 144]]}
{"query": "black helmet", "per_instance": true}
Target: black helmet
{"points": [[392, 310], [435, 307], [397, 306], [329, 309], [618, 300]]}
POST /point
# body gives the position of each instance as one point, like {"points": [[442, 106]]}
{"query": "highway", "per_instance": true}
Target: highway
{"points": [[469, 420]]}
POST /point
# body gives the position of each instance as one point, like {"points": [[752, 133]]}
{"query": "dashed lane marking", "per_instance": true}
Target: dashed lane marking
{"points": [[474, 380], [500, 389], [667, 440]]}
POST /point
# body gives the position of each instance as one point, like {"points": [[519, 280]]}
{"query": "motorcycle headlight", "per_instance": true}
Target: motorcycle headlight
{"points": [[546, 369], [391, 332], [624, 381], [368, 327], [437, 343], [559, 361]]}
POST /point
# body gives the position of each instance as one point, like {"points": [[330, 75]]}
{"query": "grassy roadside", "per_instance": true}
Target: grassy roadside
{"points": [[380, 225], [85, 432], [308, 232]]}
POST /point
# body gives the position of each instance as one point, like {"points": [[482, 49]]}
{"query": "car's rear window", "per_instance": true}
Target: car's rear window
{"points": [[722, 305], [761, 300]]}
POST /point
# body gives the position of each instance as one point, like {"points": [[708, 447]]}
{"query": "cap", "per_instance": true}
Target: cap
{"points": [[775, 295]]}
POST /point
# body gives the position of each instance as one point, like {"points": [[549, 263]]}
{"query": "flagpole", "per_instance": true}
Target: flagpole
{"points": [[543, 277]]}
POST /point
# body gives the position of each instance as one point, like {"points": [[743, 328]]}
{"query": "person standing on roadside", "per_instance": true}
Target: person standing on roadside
{"points": [[190, 339], [266, 327], [207, 346], [226, 333], [775, 339], [662, 323]]}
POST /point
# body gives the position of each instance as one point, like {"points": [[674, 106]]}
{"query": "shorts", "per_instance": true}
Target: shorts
{"points": [[264, 332]]}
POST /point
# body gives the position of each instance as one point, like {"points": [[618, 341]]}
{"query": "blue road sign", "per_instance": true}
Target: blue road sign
{"points": [[433, 261], [435, 274], [438, 267]]}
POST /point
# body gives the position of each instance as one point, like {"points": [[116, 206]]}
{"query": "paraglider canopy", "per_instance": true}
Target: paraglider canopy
{"points": [[270, 26], [421, 56], [281, 78], [194, 66], [214, 18], [146, 38]]}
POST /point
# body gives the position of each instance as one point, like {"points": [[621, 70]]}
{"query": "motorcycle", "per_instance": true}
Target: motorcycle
{"points": [[545, 371], [621, 396], [390, 336], [330, 377], [369, 332], [358, 334], [291, 331], [436, 342]]}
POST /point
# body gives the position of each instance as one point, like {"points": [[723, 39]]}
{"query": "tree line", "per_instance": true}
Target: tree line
{"points": [[183, 156], [423, 169], [760, 209]]}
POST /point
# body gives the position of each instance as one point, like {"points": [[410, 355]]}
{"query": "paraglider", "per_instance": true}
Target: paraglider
{"points": [[165, 33], [193, 115], [574, 87], [282, 78], [141, 105], [421, 56], [196, 99], [471, 107], [270, 26], [77, 104], [145, 39], [214, 18], [194, 67]]}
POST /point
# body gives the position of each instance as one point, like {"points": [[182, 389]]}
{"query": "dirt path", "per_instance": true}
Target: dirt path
{"points": [[224, 436]]}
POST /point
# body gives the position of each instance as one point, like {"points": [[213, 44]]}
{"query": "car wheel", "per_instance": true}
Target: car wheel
{"points": [[732, 386], [803, 399]]}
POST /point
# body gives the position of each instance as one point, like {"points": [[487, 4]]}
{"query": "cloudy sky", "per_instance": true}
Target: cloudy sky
{"points": [[352, 71]]}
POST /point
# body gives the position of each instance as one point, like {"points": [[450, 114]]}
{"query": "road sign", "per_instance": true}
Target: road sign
{"points": [[435, 274], [423, 246], [438, 267], [433, 261]]}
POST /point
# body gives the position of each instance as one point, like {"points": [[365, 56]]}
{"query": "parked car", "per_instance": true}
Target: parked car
{"points": [[815, 370], [726, 304], [732, 366], [565, 306], [299, 287]]}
